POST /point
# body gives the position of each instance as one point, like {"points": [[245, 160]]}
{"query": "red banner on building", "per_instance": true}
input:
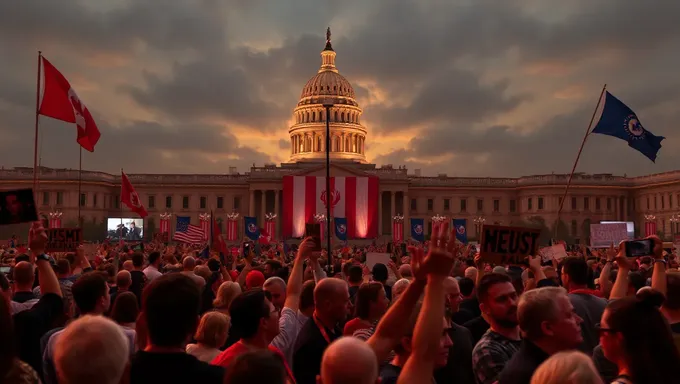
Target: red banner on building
{"points": [[397, 231], [232, 230], [270, 228], [650, 228]]}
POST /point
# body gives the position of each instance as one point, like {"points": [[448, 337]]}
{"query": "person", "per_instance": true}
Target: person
{"points": [[125, 310], [123, 284], [498, 303], [169, 317], [258, 366], [210, 336], [568, 367], [549, 324], [134, 234], [137, 275], [24, 278], [277, 290], [637, 338], [331, 306], [370, 305], [152, 270], [12, 369], [14, 211], [188, 266], [381, 274], [349, 360], [101, 342]]}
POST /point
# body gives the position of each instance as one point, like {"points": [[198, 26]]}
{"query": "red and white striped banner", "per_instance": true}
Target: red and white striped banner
{"points": [[205, 227], [322, 229], [232, 230], [354, 198], [55, 223], [397, 231], [165, 225], [270, 228], [650, 228]]}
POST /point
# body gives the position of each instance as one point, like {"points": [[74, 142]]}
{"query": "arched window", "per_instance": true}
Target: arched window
{"points": [[336, 116], [342, 117], [347, 145], [319, 140], [356, 144], [301, 144], [336, 144]]}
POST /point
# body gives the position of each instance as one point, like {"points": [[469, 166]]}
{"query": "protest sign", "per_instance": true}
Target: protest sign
{"points": [[604, 235], [556, 252], [63, 239], [508, 245]]}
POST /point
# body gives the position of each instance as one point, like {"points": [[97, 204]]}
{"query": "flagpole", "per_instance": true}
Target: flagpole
{"points": [[121, 205], [80, 184], [578, 156], [37, 121]]}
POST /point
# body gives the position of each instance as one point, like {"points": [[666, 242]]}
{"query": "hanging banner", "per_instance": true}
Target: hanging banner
{"points": [[63, 239]]}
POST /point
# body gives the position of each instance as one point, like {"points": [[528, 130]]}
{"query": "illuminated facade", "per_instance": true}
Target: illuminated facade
{"points": [[592, 198]]}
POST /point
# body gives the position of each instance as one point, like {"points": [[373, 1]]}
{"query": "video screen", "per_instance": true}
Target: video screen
{"points": [[129, 229], [630, 227], [17, 206]]}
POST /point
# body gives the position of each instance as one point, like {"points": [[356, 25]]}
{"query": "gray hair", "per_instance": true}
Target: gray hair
{"points": [[274, 280], [536, 306]]}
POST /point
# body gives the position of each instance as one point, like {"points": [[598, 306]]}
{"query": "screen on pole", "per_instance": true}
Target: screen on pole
{"points": [[131, 229], [630, 227]]}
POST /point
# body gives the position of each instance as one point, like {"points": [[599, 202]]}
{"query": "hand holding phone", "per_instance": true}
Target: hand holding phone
{"points": [[314, 231], [639, 247]]}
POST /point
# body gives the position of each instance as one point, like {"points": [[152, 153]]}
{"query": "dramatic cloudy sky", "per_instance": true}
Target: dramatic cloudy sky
{"points": [[463, 87]]}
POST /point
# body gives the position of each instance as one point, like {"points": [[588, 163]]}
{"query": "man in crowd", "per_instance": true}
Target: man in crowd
{"points": [[93, 349], [123, 283], [139, 279], [23, 282], [549, 324], [169, 318], [498, 303], [151, 272], [349, 360]]}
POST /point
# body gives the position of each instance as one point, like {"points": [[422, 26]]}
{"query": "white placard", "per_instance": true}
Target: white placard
{"points": [[556, 252], [604, 235]]}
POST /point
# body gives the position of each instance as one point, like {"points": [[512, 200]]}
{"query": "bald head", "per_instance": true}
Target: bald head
{"points": [[128, 265], [331, 299], [471, 273], [328, 289], [189, 263], [451, 284], [124, 279], [102, 341], [405, 271], [349, 360], [23, 274]]}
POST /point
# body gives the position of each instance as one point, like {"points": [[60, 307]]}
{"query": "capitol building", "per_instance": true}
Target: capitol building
{"points": [[330, 96]]}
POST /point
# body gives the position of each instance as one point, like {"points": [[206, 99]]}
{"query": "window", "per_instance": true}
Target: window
{"points": [[116, 202], [220, 202], [430, 204], [237, 202], [203, 202], [168, 201], [530, 204], [60, 198], [94, 200], [609, 204], [463, 205], [447, 204], [656, 202], [414, 204], [185, 202], [663, 202], [496, 205], [152, 201], [480, 205], [574, 228], [648, 202], [83, 199], [586, 203], [670, 201], [429, 226], [540, 203], [597, 203], [573, 204], [513, 206]]}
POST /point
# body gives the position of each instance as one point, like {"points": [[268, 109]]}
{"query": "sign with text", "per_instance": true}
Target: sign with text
{"points": [[604, 235], [63, 239], [502, 245], [556, 252]]}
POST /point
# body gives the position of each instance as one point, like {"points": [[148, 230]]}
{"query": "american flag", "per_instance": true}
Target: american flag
{"points": [[186, 232]]}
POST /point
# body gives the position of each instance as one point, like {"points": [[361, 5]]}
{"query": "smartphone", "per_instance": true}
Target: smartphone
{"points": [[246, 249], [638, 248], [5, 269], [314, 231]]}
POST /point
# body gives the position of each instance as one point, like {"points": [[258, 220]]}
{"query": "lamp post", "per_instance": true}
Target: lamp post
{"points": [[479, 221], [328, 104], [675, 223]]}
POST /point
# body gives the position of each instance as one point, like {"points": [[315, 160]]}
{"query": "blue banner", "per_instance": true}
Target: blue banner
{"points": [[418, 229], [341, 228], [252, 230], [460, 225]]}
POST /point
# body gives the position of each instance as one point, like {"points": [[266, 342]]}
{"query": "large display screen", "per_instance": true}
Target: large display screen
{"points": [[130, 229], [630, 227]]}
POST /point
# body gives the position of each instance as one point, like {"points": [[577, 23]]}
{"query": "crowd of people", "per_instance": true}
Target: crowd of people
{"points": [[437, 313]]}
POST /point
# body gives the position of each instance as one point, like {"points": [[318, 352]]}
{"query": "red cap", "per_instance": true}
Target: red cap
{"points": [[254, 279], [234, 275]]}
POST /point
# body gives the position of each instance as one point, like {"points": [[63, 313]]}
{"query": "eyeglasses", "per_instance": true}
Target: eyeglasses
{"points": [[600, 330]]}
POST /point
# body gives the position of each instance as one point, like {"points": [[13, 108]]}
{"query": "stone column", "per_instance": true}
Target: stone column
{"points": [[251, 203], [276, 211], [380, 214], [406, 210], [263, 208], [393, 196]]}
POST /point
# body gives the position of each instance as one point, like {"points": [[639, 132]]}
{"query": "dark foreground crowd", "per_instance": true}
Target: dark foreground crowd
{"points": [[438, 315]]}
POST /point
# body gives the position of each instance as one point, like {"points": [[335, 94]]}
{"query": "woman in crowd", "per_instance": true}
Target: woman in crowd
{"points": [[371, 303], [637, 338], [125, 310], [210, 336]]}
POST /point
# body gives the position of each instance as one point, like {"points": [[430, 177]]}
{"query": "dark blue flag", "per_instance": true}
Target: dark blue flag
{"points": [[460, 225], [620, 121], [340, 228], [252, 230], [417, 229]]}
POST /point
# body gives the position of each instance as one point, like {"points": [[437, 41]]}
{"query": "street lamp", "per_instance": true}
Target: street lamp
{"points": [[233, 216], [479, 221], [328, 103], [269, 216], [650, 218], [675, 222]]}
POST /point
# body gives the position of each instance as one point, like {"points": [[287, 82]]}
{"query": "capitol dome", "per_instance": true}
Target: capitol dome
{"points": [[308, 134]]}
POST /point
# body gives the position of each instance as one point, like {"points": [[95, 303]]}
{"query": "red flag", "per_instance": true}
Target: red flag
{"points": [[264, 236], [129, 196], [61, 102]]}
